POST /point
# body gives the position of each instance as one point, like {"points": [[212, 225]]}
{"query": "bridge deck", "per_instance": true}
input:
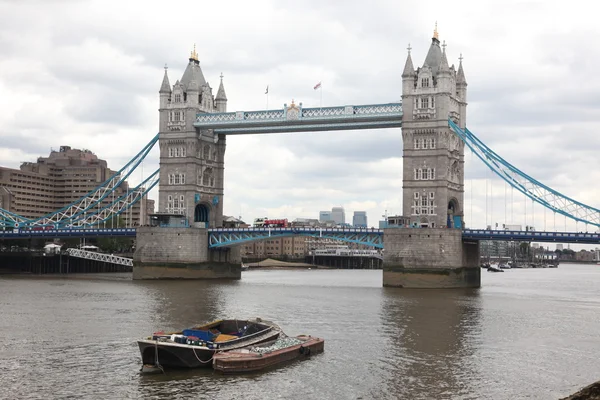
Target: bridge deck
{"points": [[220, 237]]}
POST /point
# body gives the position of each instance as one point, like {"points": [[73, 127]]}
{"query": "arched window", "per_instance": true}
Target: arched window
{"points": [[182, 151], [170, 179], [182, 179]]}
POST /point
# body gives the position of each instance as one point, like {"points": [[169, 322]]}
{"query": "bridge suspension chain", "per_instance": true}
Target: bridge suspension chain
{"points": [[8, 219], [91, 200], [530, 187], [118, 205]]}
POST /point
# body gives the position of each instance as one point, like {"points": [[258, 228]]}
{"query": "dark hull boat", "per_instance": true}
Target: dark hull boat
{"points": [[195, 347]]}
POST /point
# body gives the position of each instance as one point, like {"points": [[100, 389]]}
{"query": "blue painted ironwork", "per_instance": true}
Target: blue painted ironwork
{"points": [[297, 119], [117, 206], [531, 236], [9, 219], [66, 215], [527, 185], [226, 237], [66, 233]]}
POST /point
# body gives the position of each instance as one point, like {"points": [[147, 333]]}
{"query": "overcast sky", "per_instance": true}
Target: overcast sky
{"points": [[86, 73]]}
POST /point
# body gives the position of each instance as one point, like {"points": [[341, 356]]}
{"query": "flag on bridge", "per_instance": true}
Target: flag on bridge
{"points": [[318, 85], [267, 91]]}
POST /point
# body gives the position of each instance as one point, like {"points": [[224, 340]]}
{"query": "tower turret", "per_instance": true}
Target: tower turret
{"points": [[461, 91], [221, 99], [165, 99]]}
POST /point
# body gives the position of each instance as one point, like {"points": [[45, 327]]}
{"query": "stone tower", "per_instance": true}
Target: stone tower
{"points": [[433, 155], [191, 161]]}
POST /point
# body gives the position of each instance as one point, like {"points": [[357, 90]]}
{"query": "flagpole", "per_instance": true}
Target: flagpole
{"points": [[321, 101]]}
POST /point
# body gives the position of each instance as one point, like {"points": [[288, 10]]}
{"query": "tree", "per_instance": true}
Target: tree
{"points": [[115, 244]]}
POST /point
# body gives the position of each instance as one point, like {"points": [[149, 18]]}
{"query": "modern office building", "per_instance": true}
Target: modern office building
{"points": [[325, 216], [338, 215], [53, 182], [359, 220]]}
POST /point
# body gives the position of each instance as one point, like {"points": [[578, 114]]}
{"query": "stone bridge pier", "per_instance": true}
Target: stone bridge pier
{"points": [[430, 258], [182, 253]]}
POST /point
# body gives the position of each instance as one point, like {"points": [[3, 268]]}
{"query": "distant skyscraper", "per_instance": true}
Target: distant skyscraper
{"points": [[359, 220], [325, 216], [338, 215]]}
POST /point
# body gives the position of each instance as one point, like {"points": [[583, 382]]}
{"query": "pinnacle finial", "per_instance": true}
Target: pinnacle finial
{"points": [[444, 46], [409, 49], [221, 76], [193, 54], [435, 31], [460, 58], [166, 67]]}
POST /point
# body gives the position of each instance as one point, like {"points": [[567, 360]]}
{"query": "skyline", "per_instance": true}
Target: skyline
{"points": [[71, 79]]}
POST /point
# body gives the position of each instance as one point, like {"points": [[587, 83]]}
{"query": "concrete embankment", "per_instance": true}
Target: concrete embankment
{"points": [[591, 392]]}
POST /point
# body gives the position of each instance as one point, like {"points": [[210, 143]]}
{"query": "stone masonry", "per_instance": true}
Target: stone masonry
{"points": [[429, 251], [182, 253]]}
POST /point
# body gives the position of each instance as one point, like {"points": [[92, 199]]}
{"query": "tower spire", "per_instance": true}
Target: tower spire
{"points": [[435, 32], [460, 74], [221, 92], [166, 86], [409, 70]]}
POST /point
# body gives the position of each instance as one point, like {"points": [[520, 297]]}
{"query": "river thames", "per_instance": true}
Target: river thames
{"points": [[526, 334]]}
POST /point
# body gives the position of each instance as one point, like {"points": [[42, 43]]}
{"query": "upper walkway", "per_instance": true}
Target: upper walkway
{"points": [[295, 118]]}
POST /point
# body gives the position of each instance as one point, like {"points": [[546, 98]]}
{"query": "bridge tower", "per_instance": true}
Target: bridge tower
{"points": [[433, 155], [191, 161], [433, 255], [191, 184]]}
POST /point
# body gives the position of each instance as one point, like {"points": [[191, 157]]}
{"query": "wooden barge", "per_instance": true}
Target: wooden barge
{"points": [[254, 358]]}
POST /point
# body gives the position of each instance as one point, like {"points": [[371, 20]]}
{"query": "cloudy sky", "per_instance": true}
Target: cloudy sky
{"points": [[86, 73]]}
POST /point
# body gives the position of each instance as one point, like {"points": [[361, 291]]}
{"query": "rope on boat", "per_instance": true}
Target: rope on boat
{"points": [[198, 358], [156, 356]]}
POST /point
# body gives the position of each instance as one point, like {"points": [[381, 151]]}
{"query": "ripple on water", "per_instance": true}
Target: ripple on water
{"points": [[525, 334]]}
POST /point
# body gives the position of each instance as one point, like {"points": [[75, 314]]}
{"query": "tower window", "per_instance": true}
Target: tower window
{"points": [[424, 82], [178, 98], [424, 102]]}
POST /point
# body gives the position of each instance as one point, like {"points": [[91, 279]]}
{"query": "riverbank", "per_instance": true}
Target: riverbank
{"points": [[591, 392], [270, 263]]}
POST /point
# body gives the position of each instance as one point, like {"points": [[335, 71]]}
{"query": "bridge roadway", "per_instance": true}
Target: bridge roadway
{"points": [[223, 237]]}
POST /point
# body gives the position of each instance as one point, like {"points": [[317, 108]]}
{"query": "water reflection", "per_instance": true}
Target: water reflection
{"points": [[175, 305], [430, 341]]}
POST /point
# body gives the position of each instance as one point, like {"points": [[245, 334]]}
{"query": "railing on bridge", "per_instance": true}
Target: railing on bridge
{"points": [[66, 233], [223, 237], [295, 118], [107, 258], [531, 236]]}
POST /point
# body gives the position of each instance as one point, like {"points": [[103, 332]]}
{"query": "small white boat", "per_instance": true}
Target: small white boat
{"points": [[494, 268]]}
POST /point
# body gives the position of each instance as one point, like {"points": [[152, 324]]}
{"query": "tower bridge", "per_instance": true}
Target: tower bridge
{"points": [[193, 128]]}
